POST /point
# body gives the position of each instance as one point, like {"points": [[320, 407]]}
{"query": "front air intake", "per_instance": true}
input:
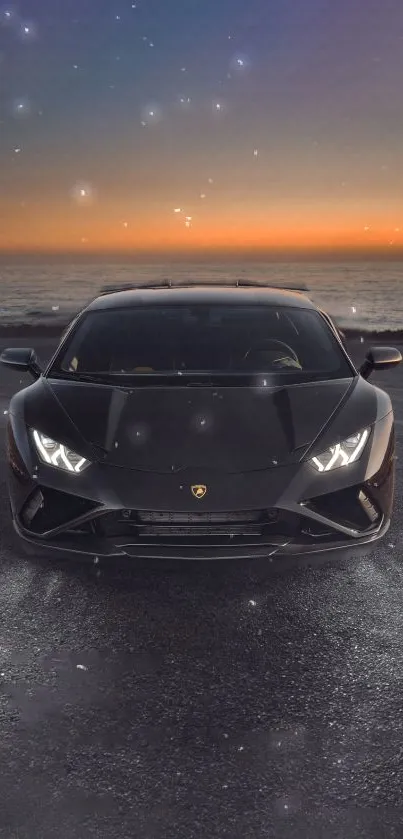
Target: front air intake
{"points": [[47, 509], [349, 507]]}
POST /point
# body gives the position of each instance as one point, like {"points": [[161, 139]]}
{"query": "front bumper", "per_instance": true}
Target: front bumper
{"points": [[95, 547], [110, 514]]}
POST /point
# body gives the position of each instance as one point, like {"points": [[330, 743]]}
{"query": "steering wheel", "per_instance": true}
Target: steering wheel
{"points": [[272, 344]]}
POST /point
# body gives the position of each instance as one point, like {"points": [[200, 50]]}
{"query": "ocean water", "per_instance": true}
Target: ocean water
{"points": [[359, 295]]}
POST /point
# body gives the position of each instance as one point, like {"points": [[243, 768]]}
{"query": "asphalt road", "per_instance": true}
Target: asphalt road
{"points": [[211, 700]]}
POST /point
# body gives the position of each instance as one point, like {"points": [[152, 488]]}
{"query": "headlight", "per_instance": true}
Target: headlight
{"points": [[55, 454], [341, 454]]}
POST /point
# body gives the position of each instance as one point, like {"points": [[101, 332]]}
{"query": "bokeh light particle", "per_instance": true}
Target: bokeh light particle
{"points": [[83, 193]]}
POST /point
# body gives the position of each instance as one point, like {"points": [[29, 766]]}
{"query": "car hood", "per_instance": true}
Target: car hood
{"points": [[166, 429]]}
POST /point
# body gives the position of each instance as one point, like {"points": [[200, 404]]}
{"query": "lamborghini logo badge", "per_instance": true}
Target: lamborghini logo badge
{"points": [[199, 490]]}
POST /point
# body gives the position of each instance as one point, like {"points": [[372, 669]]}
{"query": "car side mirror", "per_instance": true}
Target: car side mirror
{"points": [[380, 358], [23, 359]]}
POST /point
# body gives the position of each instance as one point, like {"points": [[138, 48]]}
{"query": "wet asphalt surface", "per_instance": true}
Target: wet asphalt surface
{"points": [[205, 700]]}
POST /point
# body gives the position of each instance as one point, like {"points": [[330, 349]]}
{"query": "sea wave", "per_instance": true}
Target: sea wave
{"points": [[360, 296]]}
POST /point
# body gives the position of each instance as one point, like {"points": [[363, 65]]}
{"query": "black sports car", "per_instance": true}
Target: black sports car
{"points": [[200, 422]]}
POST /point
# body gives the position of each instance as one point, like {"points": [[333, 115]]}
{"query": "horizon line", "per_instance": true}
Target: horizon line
{"points": [[377, 254]]}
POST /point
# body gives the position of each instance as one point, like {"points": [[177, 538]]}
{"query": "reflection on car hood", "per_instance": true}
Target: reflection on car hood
{"points": [[234, 429]]}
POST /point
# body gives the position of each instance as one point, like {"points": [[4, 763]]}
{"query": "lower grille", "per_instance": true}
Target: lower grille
{"points": [[164, 518], [160, 524], [202, 530], [207, 527]]}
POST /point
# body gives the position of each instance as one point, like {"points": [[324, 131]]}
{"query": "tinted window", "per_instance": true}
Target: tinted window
{"points": [[204, 338]]}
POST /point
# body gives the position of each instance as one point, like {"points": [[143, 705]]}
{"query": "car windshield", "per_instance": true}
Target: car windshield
{"points": [[202, 339]]}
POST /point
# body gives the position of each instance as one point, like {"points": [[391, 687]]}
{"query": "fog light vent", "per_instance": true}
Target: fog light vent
{"points": [[368, 506], [34, 503]]}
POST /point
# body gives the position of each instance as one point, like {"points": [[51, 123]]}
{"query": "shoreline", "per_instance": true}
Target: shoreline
{"points": [[53, 330]]}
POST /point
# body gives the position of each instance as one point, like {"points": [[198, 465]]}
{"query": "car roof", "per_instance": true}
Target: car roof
{"points": [[165, 295]]}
